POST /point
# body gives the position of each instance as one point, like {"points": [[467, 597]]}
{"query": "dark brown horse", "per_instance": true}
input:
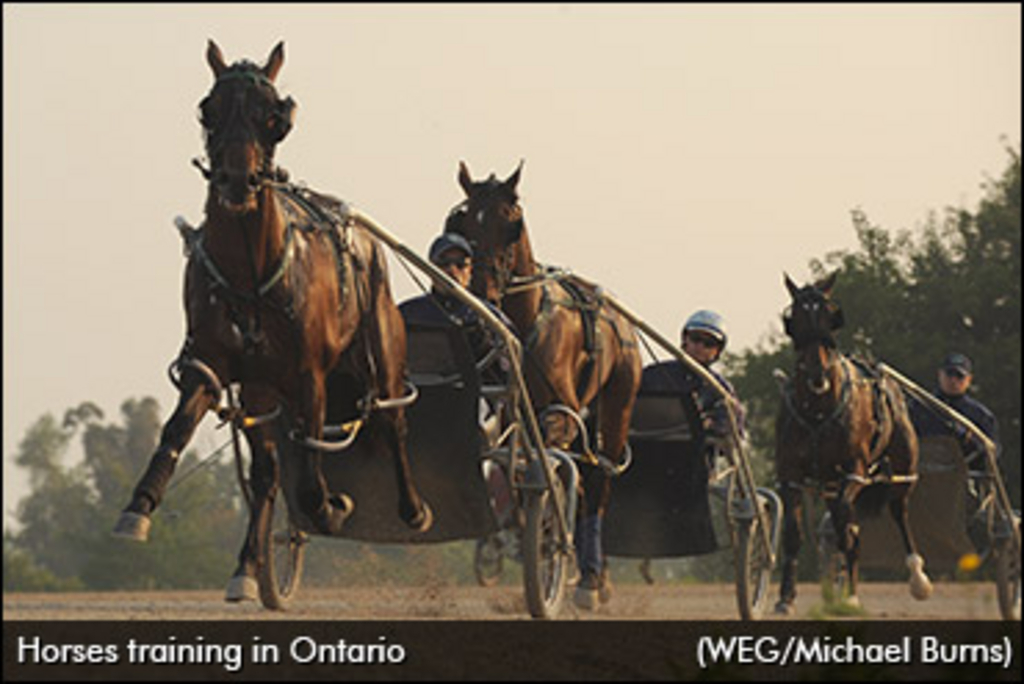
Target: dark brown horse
{"points": [[282, 297], [579, 353], [841, 428]]}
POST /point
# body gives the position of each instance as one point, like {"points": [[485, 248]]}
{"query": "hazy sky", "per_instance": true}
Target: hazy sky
{"points": [[682, 155]]}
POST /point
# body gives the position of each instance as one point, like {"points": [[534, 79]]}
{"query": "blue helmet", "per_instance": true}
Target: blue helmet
{"points": [[708, 322], [447, 241]]}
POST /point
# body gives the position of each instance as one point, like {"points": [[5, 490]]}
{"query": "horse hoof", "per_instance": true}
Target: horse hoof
{"points": [[424, 520], [241, 588], [852, 601], [920, 586], [586, 599], [133, 526], [784, 608], [339, 509]]}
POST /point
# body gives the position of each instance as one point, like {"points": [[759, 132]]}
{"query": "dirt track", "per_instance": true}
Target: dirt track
{"points": [[951, 601]]}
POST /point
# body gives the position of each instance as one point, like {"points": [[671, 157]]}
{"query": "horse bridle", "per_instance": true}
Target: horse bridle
{"points": [[498, 264], [215, 138]]}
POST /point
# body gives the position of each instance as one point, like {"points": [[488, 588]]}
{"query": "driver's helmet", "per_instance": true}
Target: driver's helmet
{"points": [[708, 322]]}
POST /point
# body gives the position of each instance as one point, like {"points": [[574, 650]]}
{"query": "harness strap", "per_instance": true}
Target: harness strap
{"points": [[194, 245], [837, 412]]}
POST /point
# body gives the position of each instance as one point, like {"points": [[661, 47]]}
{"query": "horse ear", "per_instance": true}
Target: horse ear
{"points": [[215, 59], [464, 179], [512, 181], [825, 284], [790, 285], [274, 62]]}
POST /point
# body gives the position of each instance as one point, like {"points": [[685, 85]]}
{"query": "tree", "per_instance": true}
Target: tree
{"points": [[66, 519], [910, 299]]}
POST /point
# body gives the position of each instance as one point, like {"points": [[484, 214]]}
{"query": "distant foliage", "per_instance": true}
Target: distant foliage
{"points": [[64, 539], [909, 299]]}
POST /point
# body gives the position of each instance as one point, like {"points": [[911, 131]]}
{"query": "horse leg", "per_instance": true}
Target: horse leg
{"points": [[903, 457], [389, 349], [792, 540], [263, 477], [325, 511], [195, 399], [615, 408], [848, 534]]}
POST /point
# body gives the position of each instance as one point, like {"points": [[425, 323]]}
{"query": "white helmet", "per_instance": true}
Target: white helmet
{"points": [[708, 322]]}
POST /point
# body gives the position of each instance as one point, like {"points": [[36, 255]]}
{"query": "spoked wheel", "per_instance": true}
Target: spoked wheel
{"points": [[487, 561], [280, 571], [545, 565], [753, 565], [1008, 576]]}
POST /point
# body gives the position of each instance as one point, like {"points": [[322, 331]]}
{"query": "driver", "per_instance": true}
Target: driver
{"points": [[451, 253], [954, 378], [703, 338]]}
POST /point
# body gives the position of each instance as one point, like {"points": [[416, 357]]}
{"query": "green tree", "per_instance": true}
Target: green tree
{"points": [[65, 521], [909, 299]]}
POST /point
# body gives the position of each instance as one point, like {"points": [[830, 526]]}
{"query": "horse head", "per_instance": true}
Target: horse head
{"points": [[811, 320], [243, 120], [491, 219]]}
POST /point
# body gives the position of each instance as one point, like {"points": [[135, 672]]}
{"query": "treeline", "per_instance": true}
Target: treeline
{"points": [[63, 541], [908, 299]]}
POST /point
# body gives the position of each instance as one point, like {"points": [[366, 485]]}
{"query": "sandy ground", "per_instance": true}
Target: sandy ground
{"points": [[951, 601]]}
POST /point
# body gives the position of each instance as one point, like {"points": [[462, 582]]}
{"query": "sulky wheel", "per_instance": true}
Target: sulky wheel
{"points": [[545, 564], [280, 569], [1008, 575], [753, 565], [487, 561]]}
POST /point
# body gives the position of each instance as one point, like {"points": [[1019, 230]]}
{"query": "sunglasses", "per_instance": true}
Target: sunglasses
{"points": [[461, 262], [703, 340], [955, 373]]}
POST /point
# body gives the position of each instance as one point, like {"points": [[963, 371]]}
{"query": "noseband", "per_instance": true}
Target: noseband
{"points": [[822, 387]]}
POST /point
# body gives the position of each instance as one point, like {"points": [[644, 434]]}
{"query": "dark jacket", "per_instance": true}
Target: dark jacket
{"points": [[929, 422], [713, 417], [439, 309]]}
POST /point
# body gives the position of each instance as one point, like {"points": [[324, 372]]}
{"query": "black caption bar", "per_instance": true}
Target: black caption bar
{"points": [[517, 650]]}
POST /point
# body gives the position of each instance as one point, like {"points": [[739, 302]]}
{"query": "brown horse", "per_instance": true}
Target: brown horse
{"points": [[579, 353], [282, 297], [841, 428]]}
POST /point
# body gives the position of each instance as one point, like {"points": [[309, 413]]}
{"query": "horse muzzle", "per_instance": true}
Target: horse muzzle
{"points": [[237, 193], [819, 386]]}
